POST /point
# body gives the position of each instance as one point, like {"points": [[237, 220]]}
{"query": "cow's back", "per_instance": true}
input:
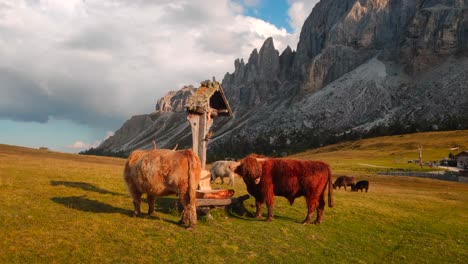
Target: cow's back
{"points": [[294, 178], [221, 168]]}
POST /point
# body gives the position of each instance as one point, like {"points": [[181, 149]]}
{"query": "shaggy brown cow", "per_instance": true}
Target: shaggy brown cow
{"points": [[268, 177], [344, 181], [163, 172]]}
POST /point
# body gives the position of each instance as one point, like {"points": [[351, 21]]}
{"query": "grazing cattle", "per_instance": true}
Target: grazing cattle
{"points": [[360, 185], [268, 177], [344, 181], [163, 172], [221, 169]]}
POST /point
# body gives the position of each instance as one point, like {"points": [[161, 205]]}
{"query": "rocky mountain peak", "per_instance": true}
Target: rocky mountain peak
{"points": [[174, 101]]}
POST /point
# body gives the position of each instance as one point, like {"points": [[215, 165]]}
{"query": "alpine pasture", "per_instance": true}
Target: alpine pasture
{"points": [[67, 208]]}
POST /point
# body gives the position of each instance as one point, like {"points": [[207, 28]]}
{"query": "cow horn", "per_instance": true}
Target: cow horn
{"points": [[261, 159], [154, 144], [233, 166], [175, 147]]}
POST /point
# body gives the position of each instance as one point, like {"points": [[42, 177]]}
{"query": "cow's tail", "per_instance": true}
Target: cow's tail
{"points": [[194, 167], [330, 188]]}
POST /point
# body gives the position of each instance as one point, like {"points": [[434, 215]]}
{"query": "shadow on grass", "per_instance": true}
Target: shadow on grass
{"points": [[84, 204], [83, 186], [245, 214], [163, 205]]}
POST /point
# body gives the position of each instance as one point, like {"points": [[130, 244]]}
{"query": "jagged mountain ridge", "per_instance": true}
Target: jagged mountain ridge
{"points": [[360, 65]]}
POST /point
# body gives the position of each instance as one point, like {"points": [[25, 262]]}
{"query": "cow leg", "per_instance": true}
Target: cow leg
{"points": [[136, 198], [185, 213], [311, 206], [320, 209], [151, 200], [189, 214], [270, 205], [258, 212], [231, 180], [192, 213]]}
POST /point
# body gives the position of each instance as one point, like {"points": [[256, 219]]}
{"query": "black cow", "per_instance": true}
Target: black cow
{"points": [[360, 185]]}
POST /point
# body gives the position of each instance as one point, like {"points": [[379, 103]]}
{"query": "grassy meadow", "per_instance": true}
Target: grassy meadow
{"points": [[66, 208]]}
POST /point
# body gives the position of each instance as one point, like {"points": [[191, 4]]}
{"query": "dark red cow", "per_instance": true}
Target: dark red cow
{"points": [[344, 181], [267, 177]]}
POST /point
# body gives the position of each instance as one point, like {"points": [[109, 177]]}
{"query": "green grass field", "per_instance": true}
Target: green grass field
{"points": [[64, 208]]}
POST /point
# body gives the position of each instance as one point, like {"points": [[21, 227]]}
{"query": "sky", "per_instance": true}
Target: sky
{"points": [[73, 71]]}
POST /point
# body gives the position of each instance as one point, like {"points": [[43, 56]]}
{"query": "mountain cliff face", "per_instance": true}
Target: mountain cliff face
{"points": [[361, 67]]}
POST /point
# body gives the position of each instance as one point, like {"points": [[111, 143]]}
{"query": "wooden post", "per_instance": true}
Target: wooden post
{"points": [[194, 121], [201, 125], [420, 148], [200, 116]]}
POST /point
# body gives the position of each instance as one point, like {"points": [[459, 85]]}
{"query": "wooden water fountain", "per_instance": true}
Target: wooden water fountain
{"points": [[207, 103]]}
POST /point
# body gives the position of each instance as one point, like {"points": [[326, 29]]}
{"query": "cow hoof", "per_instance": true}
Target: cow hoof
{"points": [[154, 216], [269, 219], [317, 222], [182, 222]]}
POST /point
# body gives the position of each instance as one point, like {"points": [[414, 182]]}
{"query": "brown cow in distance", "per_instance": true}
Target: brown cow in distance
{"points": [[344, 181], [267, 177], [163, 172]]}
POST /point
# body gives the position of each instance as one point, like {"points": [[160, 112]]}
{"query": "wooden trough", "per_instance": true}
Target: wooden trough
{"points": [[207, 103]]}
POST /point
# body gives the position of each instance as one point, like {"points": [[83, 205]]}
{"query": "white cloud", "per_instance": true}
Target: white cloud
{"points": [[298, 12], [99, 62], [109, 134], [80, 145]]}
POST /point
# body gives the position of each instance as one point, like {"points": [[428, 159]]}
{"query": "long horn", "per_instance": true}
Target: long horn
{"points": [[175, 147], [261, 159], [154, 144], [233, 166]]}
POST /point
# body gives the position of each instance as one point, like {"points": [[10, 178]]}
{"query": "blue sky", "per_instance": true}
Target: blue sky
{"points": [[275, 12], [72, 72]]}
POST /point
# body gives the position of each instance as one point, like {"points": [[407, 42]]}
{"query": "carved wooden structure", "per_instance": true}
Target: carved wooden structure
{"points": [[206, 103]]}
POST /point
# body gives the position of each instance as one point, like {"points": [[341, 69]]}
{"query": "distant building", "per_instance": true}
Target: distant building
{"points": [[462, 160]]}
